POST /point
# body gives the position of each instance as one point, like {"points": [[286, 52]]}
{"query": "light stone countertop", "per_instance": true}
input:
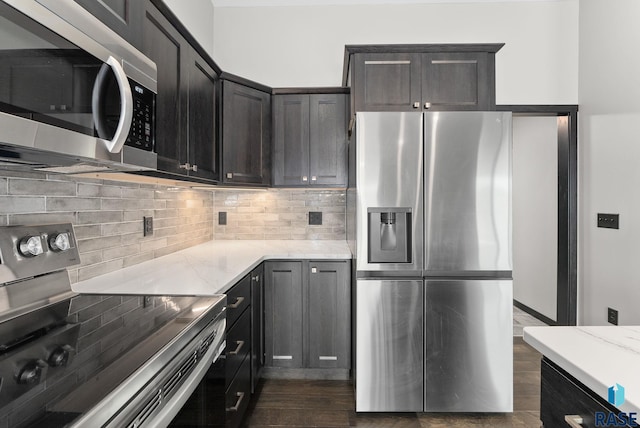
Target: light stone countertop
{"points": [[598, 356], [209, 268]]}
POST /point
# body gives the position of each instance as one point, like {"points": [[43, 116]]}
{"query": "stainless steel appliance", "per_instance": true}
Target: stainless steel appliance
{"points": [[85, 360], [74, 96], [434, 288]]}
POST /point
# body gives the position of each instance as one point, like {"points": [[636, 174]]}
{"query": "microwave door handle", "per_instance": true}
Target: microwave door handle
{"points": [[126, 103]]}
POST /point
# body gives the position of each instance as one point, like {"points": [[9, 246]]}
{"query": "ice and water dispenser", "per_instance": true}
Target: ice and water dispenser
{"points": [[389, 235]]}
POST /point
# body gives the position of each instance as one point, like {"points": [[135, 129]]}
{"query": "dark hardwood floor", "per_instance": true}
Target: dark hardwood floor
{"points": [[313, 403]]}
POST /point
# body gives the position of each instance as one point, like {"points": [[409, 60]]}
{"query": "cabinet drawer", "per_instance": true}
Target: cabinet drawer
{"points": [[238, 299], [238, 395], [561, 395], [238, 344]]}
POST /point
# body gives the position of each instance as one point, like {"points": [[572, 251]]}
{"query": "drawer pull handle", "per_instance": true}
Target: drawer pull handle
{"points": [[235, 408], [238, 348], [574, 421], [235, 305], [328, 358]]}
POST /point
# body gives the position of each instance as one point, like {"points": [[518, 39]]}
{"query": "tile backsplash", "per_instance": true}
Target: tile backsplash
{"points": [[108, 215], [280, 214]]}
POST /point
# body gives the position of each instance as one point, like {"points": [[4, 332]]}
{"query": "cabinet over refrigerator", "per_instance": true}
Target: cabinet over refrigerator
{"points": [[433, 256]]}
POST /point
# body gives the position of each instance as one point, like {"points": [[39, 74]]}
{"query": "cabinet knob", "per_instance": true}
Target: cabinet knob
{"points": [[427, 105], [229, 174], [256, 278], [194, 168], [314, 178], [304, 178], [186, 166], [416, 105], [314, 270]]}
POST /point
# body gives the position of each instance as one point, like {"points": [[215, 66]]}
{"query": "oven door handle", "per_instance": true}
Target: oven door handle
{"points": [[235, 408], [126, 106]]}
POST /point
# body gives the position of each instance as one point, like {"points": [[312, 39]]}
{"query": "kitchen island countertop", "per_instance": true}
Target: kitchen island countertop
{"points": [[209, 268], [597, 356]]}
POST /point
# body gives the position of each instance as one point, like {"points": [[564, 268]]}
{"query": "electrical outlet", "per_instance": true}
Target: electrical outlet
{"points": [[222, 218], [147, 228], [609, 221], [612, 316], [315, 217]]}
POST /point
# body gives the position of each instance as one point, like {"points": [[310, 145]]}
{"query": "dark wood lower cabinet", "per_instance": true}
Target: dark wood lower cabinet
{"points": [[562, 395], [307, 315]]}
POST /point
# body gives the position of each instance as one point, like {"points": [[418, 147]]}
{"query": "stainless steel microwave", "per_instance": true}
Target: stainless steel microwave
{"points": [[74, 96]]}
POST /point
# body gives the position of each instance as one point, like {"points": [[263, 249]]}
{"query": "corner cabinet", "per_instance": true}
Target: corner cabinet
{"points": [[186, 104], [246, 134], [307, 315], [422, 77], [310, 140]]}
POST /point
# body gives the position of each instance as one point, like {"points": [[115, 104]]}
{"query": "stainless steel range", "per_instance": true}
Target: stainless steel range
{"points": [[76, 360]]}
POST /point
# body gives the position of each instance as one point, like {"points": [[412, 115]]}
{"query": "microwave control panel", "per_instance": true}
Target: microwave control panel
{"points": [[142, 133]]}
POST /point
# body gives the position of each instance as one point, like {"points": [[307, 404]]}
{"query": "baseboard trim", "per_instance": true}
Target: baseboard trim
{"points": [[534, 313]]}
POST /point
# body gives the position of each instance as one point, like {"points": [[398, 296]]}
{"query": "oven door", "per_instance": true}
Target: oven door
{"points": [[62, 92], [206, 405]]}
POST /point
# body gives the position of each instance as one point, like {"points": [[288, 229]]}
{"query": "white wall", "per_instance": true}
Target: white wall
{"points": [[304, 45], [535, 213], [609, 148], [197, 16]]}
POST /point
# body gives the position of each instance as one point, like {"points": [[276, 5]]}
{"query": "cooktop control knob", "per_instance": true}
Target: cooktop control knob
{"points": [[58, 357], [31, 246], [60, 242], [30, 373]]}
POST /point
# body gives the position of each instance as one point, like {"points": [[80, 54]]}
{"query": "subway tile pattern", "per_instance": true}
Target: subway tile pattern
{"points": [[107, 217], [280, 214]]}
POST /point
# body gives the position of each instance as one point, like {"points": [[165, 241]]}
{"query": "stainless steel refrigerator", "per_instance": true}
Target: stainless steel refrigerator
{"points": [[433, 300]]}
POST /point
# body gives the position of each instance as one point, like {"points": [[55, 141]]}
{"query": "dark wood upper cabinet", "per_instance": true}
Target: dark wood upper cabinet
{"points": [[186, 104], [290, 140], [457, 81], [164, 45], [421, 77], [387, 82], [204, 155], [122, 16], [246, 134], [310, 144]]}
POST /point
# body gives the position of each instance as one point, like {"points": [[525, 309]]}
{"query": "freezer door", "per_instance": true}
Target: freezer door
{"points": [[389, 192], [467, 182], [469, 346], [389, 346]]}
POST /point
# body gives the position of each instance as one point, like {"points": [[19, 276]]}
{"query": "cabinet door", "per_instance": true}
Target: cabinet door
{"points": [[328, 140], [283, 314], [201, 130], [386, 82], [329, 315], [257, 325], [291, 140], [246, 129], [122, 16], [456, 81], [165, 46]]}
